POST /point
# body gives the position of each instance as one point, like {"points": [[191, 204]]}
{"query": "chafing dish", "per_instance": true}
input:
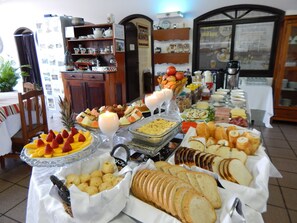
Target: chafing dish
{"points": [[155, 140]]}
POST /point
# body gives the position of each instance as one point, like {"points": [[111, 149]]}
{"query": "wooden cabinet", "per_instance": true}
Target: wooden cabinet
{"points": [[91, 85], [285, 76], [179, 53], [86, 90]]}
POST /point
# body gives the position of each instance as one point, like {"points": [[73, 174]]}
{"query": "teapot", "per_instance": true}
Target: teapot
{"points": [[98, 32], [108, 32]]}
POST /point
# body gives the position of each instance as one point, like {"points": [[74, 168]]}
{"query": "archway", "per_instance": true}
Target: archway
{"points": [[138, 57], [25, 43]]}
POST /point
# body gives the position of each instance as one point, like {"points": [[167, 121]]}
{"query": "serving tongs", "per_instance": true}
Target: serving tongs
{"points": [[63, 192], [238, 207], [120, 162]]}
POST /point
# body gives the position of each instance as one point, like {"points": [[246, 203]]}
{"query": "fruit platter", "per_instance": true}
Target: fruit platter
{"points": [[173, 79], [58, 148], [127, 115]]}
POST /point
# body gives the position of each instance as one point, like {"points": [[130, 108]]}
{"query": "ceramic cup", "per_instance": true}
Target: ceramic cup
{"points": [[76, 50], [83, 50]]}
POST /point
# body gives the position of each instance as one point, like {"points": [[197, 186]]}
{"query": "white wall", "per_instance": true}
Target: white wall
{"points": [[18, 13], [24, 13]]}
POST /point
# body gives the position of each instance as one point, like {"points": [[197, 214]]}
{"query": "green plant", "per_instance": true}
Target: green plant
{"points": [[9, 75]]}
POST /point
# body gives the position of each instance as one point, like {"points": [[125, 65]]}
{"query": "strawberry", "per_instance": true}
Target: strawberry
{"points": [[54, 144], [48, 149], [81, 138], [67, 147], [50, 137], [70, 139], [40, 143], [74, 130], [59, 139], [65, 134], [52, 132]]}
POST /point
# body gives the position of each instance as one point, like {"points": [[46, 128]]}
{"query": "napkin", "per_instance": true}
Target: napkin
{"points": [[261, 168], [101, 207]]}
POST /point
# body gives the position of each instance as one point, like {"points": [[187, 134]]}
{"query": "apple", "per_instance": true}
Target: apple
{"points": [[171, 78], [179, 75], [171, 70]]}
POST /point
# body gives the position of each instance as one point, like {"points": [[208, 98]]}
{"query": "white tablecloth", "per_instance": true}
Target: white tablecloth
{"points": [[11, 124], [260, 98], [7, 129]]}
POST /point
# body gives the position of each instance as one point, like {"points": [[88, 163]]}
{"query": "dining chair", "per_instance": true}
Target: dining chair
{"points": [[33, 121], [28, 86]]}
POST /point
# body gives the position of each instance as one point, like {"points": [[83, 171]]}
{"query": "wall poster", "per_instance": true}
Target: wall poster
{"points": [[143, 35]]}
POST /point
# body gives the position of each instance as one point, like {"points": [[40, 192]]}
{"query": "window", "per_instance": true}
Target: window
{"points": [[247, 33]]}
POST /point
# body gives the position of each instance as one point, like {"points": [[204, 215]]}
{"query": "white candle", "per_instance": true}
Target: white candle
{"points": [[108, 123]]}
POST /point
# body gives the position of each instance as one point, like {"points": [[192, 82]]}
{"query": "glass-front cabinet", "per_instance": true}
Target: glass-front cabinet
{"points": [[285, 86]]}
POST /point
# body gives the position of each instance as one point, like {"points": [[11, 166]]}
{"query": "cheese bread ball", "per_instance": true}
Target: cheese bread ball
{"points": [[116, 180], [105, 186], [72, 179], [91, 190], [97, 173], [85, 178], [108, 177], [95, 181], [108, 167], [83, 186]]}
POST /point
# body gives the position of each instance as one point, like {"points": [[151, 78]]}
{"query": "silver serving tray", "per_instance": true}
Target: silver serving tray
{"points": [[64, 160], [155, 140]]}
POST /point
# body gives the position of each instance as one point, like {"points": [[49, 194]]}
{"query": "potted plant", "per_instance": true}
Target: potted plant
{"points": [[9, 75]]}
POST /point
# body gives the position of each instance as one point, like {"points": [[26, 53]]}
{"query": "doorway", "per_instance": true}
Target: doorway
{"points": [[138, 59], [25, 43], [132, 62]]}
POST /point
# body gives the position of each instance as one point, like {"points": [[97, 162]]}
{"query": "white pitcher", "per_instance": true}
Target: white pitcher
{"points": [[98, 32]]}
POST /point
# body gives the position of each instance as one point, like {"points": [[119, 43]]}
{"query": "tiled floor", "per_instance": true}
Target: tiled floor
{"points": [[281, 144]]}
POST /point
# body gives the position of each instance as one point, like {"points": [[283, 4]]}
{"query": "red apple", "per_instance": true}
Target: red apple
{"points": [[179, 75], [171, 70]]}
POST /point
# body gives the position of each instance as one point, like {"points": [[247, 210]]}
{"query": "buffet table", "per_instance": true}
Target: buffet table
{"points": [[260, 98], [42, 207]]}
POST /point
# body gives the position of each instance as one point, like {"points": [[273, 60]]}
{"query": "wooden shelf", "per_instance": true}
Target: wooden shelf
{"points": [[172, 34], [175, 58]]}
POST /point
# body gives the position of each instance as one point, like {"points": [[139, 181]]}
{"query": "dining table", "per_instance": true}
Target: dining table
{"points": [[10, 121], [260, 97]]}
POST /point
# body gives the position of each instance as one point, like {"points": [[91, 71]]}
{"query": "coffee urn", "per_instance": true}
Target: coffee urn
{"points": [[232, 74]]}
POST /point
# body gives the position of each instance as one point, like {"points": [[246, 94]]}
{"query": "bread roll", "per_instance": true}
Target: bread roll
{"points": [[230, 128], [212, 128], [223, 142], [220, 133], [202, 130], [242, 143], [233, 135], [254, 140]]}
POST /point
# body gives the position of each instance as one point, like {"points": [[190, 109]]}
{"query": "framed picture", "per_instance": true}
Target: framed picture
{"points": [[143, 35], [120, 45]]}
